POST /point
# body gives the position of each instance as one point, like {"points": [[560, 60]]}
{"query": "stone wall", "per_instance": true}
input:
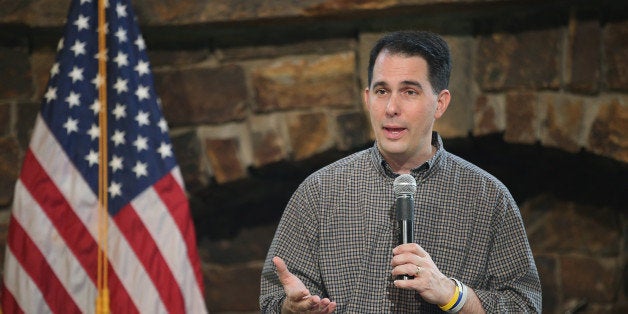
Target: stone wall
{"points": [[260, 93]]}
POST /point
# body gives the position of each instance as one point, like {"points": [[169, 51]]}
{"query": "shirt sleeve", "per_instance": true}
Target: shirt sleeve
{"points": [[296, 242], [512, 284]]}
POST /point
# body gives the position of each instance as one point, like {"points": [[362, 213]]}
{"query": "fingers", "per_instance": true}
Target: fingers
{"points": [[319, 305], [325, 306], [407, 257], [405, 284], [298, 297], [312, 304], [411, 248], [411, 270]]}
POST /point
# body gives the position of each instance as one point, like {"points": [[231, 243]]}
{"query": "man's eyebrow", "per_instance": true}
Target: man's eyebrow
{"points": [[379, 84], [403, 83], [413, 83]]}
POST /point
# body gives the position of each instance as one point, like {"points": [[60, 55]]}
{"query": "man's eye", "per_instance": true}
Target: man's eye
{"points": [[412, 92], [380, 91]]}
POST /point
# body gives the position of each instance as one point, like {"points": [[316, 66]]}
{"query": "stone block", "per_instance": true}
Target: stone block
{"points": [[325, 46], [267, 148], [366, 42], [10, 164], [584, 57], [563, 121], [158, 12], [528, 59], [223, 155], [308, 133], [35, 12], [268, 137], [594, 279], [306, 82], [458, 120], [16, 80], [176, 58], [233, 288], [199, 96], [353, 130], [187, 150], [560, 227], [521, 117], [489, 114], [609, 132], [191, 12], [42, 61], [176, 12], [615, 41]]}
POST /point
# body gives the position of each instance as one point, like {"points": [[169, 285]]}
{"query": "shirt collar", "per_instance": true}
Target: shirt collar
{"points": [[420, 172]]}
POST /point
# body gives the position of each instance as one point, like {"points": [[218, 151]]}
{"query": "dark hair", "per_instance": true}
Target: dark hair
{"points": [[427, 45]]}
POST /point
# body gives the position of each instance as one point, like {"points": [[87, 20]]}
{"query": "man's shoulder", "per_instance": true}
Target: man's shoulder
{"points": [[348, 164], [458, 166], [356, 159]]}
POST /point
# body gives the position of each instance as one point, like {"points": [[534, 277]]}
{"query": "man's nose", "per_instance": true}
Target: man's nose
{"points": [[392, 107]]}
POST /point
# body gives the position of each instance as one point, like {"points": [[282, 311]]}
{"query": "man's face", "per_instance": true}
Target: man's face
{"points": [[403, 107]]}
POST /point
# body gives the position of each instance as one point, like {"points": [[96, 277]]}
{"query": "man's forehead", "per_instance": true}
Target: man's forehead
{"points": [[400, 69]]}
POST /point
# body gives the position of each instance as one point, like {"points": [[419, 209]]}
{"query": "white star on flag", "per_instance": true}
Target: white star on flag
{"points": [[78, 48], [82, 22], [76, 74]]}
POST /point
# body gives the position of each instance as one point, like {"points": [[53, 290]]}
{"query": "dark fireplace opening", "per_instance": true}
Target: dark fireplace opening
{"points": [[222, 211]]}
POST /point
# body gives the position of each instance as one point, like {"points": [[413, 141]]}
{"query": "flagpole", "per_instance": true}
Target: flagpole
{"points": [[102, 300]]}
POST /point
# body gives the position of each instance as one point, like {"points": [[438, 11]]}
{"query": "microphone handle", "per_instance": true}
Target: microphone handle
{"points": [[405, 215], [405, 231], [405, 236]]}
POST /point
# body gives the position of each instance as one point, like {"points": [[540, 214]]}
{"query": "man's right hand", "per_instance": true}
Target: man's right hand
{"points": [[298, 297]]}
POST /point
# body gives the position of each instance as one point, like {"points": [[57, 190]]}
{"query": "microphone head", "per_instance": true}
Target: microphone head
{"points": [[404, 184]]}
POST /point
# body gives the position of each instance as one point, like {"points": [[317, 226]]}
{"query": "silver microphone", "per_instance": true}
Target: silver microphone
{"points": [[404, 188]]}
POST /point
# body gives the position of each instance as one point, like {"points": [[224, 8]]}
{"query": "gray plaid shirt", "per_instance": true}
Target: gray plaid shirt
{"points": [[339, 228]]}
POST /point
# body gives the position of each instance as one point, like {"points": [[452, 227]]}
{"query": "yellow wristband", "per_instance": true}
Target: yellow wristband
{"points": [[452, 301]]}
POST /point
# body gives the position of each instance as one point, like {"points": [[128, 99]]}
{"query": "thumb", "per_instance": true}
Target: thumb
{"points": [[293, 286], [282, 269]]}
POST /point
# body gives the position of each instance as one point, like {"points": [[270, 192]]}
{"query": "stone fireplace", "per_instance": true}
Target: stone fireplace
{"points": [[259, 94]]}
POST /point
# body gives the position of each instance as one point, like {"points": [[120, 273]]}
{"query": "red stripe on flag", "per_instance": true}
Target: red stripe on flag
{"points": [[53, 203], [9, 305], [149, 255], [119, 300], [34, 263], [70, 227], [173, 196]]}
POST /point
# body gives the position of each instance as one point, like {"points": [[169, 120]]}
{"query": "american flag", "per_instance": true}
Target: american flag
{"points": [[52, 245]]}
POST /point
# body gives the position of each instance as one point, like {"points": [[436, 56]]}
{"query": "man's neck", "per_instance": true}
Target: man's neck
{"points": [[402, 164]]}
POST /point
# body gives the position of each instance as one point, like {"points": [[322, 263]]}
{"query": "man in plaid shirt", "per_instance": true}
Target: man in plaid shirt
{"points": [[335, 248]]}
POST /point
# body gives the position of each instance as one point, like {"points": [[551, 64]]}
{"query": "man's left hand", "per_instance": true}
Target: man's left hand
{"points": [[412, 260]]}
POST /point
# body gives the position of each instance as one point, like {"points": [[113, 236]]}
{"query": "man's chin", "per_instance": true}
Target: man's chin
{"points": [[392, 148]]}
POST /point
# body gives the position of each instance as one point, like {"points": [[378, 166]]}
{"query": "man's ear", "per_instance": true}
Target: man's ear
{"points": [[365, 99], [442, 103]]}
